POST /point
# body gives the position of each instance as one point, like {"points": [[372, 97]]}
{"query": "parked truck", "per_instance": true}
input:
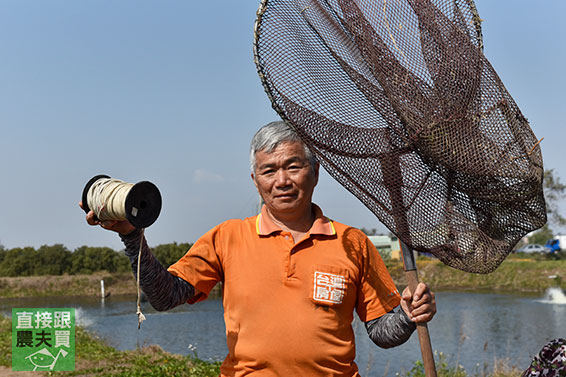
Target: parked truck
{"points": [[557, 244]]}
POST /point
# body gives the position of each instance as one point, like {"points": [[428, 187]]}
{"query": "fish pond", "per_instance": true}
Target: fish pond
{"points": [[470, 329]]}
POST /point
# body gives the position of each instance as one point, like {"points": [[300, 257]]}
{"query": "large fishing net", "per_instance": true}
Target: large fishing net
{"points": [[400, 105]]}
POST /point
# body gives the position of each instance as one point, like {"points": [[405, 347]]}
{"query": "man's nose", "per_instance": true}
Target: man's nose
{"points": [[281, 178]]}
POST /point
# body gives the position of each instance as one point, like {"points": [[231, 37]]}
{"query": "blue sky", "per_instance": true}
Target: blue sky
{"points": [[167, 91]]}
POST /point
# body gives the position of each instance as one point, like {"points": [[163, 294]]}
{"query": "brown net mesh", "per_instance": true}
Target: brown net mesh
{"points": [[401, 107]]}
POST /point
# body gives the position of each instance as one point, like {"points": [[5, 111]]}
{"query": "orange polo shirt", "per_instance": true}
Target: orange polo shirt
{"points": [[288, 307]]}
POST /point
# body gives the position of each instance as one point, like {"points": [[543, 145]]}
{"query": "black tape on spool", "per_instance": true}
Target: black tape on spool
{"points": [[86, 208], [143, 202]]}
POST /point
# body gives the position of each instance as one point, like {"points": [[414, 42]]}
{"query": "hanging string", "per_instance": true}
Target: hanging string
{"points": [[141, 317], [107, 197]]}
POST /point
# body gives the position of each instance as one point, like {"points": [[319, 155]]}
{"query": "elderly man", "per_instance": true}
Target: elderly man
{"points": [[291, 277]]}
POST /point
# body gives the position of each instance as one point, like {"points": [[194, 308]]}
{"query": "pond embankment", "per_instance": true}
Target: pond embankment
{"points": [[515, 274], [67, 285]]}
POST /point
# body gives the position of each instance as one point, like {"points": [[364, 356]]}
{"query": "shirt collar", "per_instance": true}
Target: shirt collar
{"points": [[321, 225]]}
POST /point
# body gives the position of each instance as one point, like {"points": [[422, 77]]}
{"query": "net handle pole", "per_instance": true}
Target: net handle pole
{"points": [[412, 276], [391, 179]]}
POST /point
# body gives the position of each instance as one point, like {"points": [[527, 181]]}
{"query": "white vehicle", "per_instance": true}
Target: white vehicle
{"points": [[533, 248]]}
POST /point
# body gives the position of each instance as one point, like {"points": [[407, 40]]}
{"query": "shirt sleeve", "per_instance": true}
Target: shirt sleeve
{"points": [[201, 265], [391, 329], [377, 294], [163, 290]]}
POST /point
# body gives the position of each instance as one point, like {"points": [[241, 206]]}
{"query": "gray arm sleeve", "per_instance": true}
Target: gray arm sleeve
{"points": [[163, 290], [391, 329]]}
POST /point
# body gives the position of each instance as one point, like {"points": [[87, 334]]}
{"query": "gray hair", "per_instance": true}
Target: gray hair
{"points": [[268, 137]]}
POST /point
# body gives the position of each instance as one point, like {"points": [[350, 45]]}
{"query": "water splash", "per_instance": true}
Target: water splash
{"points": [[81, 317], [554, 296]]}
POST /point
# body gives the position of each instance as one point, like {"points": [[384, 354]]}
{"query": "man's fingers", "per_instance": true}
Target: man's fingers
{"points": [[90, 219], [424, 313], [421, 305], [420, 291], [422, 318], [108, 224], [422, 294], [419, 296], [423, 308], [423, 300], [120, 226]]}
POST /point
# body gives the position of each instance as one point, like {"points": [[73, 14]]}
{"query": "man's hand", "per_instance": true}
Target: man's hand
{"points": [[421, 306], [123, 227]]}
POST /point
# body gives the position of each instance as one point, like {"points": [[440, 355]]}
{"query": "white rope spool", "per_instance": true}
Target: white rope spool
{"points": [[113, 199]]}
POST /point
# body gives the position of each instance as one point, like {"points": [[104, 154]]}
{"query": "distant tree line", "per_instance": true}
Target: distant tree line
{"points": [[554, 195], [58, 260]]}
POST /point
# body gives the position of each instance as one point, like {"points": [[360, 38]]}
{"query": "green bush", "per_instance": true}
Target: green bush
{"points": [[167, 254], [17, 262], [58, 260], [47, 260], [52, 260], [86, 260]]}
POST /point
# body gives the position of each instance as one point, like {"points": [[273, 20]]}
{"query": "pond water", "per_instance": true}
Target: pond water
{"points": [[471, 329]]}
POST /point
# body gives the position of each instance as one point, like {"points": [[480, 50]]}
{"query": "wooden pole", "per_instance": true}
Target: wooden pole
{"points": [[390, 164], [422, 328]]}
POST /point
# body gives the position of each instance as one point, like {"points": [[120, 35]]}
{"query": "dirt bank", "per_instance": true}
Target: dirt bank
{"points": [[516, 274], [67, 285]]}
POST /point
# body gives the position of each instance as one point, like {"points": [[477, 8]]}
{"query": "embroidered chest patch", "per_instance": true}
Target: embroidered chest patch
{"points": [[329, 288]]}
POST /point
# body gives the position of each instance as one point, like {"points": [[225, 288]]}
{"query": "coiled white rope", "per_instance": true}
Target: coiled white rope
{"points": [[107, 199]]}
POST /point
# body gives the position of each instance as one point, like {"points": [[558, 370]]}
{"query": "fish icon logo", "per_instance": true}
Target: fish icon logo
{"points": [[45, 359]]}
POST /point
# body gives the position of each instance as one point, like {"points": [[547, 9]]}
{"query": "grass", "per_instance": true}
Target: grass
{"points": [[518, 273], [5, 341], [94, 358], [67, 285], [444, 369]]}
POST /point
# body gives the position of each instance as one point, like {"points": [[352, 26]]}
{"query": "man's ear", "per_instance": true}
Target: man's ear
{"points": [[253, 179], [316, 169]]}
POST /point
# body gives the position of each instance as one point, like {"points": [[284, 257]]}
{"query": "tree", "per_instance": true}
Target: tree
{"points": [[52, 260], [554, 193], [369, 232], [18, 262], [167, 254], [542, 235], [86, 260]]}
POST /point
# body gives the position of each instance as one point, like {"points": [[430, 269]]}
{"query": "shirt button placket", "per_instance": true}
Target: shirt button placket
{"points": [[289, 251]]}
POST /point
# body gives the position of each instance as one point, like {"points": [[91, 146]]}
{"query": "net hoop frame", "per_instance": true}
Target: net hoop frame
{"points": [[257, 31], [476, 37]]}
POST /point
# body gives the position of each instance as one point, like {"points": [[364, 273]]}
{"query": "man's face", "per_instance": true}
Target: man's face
{"points": [[285, 179]]}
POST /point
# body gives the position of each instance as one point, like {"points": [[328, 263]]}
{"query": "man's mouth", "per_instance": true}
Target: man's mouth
{"points": [[285, 196]]}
